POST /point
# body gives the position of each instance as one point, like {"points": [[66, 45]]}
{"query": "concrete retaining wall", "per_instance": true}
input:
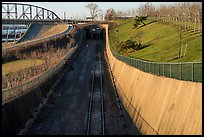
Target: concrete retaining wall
{"points": [[157, 105], [18, 112], [33, 31]]}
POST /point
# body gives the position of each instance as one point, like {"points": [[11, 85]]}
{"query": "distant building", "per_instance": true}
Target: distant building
{"points": [[123, 17]]}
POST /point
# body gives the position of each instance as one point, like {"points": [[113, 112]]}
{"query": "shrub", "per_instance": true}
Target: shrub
{"points": [[129, 44]]}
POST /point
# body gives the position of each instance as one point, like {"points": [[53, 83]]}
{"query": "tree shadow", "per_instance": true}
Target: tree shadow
{"points": [[175, 58], [147, 24], [145, 46]]}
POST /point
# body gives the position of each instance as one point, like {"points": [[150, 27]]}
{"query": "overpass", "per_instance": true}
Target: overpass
{"points": [[17, 13]]}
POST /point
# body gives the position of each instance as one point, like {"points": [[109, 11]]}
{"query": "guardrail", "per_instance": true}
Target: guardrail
{"points": [[8, 94], [188, 71]]}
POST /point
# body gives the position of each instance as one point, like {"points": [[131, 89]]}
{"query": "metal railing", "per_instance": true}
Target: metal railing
{"points": [[188, 71]]}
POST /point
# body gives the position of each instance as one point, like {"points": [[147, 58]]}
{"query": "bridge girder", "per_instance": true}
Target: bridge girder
{"points": [[18, 11]]}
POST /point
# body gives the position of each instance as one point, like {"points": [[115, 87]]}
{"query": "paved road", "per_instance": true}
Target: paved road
{"points": [[66, 111]]}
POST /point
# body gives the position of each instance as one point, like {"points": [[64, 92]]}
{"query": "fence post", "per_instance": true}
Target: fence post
{"points": [[154, 67], [170, 69], [132, 62], [180, 71], [163, 69], [141, 64], [192, 71], [159, 68], [136, 64], [145, 66], [149, 67]]}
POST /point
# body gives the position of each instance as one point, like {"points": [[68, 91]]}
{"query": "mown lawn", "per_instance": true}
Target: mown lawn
{"points": [[20, 65], [163, 41]]}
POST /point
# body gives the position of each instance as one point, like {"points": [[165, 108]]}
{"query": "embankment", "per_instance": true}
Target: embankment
{"points": [[157, 105]]}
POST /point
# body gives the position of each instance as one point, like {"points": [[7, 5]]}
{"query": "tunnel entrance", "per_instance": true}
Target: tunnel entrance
{"points": [[94, 32]]}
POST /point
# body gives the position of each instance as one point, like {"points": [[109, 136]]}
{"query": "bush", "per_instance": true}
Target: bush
{"points": [[129, 44]]}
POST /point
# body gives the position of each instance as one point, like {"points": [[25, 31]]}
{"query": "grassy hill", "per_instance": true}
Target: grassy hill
{"points": [[162, 40], [17, 65]]}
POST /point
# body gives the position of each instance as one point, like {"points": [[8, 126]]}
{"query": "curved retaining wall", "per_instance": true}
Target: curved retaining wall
{"points": [[157, 105], [34, 30], [18, 113]]}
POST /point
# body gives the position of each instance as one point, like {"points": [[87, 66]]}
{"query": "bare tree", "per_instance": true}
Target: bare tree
{"points": [[110, 14], [180, 41], [93, 9]]}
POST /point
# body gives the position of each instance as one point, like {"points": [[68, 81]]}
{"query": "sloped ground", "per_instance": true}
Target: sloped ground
{"points": [[163, 41]]}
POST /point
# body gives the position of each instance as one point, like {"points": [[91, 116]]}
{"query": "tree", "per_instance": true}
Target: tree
{"points": [[139, 20], [139, 36], [110, 14], [180, 41], [93, 10]]}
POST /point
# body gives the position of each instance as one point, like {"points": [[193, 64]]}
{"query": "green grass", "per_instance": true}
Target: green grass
{"points": [[17, 65], [163, 40]]}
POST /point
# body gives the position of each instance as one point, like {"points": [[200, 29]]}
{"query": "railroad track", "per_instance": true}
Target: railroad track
{"points": [[96, 119]]}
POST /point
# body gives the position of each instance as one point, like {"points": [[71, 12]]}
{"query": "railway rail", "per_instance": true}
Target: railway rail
{"points": [[96, 119]]}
